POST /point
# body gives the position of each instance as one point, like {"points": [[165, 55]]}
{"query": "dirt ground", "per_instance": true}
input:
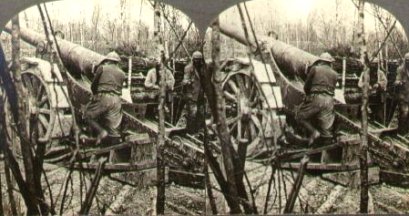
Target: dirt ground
{"points": [[316, 195]]}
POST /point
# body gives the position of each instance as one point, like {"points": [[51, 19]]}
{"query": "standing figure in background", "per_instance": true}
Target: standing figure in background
{"points": [[153, 78], [152, 82], [191, 81], [402, 80], [104, 112], [318, 105], [377, 89]]}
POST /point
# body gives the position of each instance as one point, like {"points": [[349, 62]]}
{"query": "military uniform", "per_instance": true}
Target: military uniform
{"points": [[194, 93], [377, 87], [152, 81], [318, 105], [402, 77], [105, 106]]}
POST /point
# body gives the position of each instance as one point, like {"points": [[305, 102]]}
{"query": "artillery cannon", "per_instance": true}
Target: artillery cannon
{"points": [[48, 89], [389, 151]]}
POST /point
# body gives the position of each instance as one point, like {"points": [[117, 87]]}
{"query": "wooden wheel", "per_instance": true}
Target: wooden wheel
{"points": [[40, 105], [245, 117]]}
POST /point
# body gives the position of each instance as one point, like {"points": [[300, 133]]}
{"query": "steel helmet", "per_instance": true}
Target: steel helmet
{"points": [[113, 56], [197, 55], [326, 57]]}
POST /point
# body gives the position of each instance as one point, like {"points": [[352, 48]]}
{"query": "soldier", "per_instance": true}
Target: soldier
{"points": [[377, 88], [318, 105], [402, 77], [152, 82], [153, 78], [191, 80], [104, 112]]}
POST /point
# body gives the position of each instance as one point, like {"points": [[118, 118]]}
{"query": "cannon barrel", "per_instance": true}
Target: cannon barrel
{"points": [[291, 60], [77, 59]]}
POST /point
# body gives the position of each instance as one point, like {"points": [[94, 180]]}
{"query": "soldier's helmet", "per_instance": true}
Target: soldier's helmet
{"points": [[326, 57], [197, 55], [113, 56]]}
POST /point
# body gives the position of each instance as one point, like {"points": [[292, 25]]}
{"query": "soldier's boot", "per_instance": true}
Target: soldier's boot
{"points": [[102, 133], [314, 134], [291, 138]]}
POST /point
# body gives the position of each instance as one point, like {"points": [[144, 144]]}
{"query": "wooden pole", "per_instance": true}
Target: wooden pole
{"points": [[344, 71], [10, 186], [93, 188], [222, 129], [208, 184], [363, 151], [158, 37], [295, 190], [23, 115]]}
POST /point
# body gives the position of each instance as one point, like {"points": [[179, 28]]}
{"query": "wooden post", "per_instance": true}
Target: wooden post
{"points": [[344, 71], [208, 184], [1, 192], [10, 186], [222, 129], [289, 206], [23, 115], [93, 188], [363, 151], [160, 198]]}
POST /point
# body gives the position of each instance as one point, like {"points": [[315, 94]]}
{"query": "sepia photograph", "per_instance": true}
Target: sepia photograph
{"points": [[124, 107]]}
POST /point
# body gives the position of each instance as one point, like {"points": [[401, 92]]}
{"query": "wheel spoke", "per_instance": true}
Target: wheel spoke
{"points": [[35, 83], [233, 127], [44, 111], [233, 86], [230, 97], [40, 92], [41, 130], [27, 83], [253, 131], [256, 122], [247, 82], [253, 92], [43, 121], [43, 100], [233, 120], [240, 83], [251, 147]]}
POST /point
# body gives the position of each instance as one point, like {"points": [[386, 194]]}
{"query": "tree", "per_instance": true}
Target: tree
{"points": [[363, 151]]}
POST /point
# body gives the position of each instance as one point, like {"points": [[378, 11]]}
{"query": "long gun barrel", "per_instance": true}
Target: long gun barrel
{"points": [[77, 59], [290, 60]]}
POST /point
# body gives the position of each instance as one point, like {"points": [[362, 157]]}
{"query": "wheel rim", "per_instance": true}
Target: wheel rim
{"points": [[244, 110], [40, 105]]}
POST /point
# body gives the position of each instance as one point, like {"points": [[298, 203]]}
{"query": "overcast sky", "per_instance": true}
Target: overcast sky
{"points": [[292, 11], [260, 10]]}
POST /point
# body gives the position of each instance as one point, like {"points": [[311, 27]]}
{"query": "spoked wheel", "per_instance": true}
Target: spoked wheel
{"points": [[245, 117], [40, 105]]}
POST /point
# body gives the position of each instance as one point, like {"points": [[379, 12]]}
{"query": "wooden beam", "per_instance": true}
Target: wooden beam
{"points": [[118, 167], [321, 167], [287, 157], [295, 190], [344, 178], [90, 152], [394, 178]]}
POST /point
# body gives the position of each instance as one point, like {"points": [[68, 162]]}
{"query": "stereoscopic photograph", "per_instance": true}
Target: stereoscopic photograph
{"points": [[125, 107]]}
